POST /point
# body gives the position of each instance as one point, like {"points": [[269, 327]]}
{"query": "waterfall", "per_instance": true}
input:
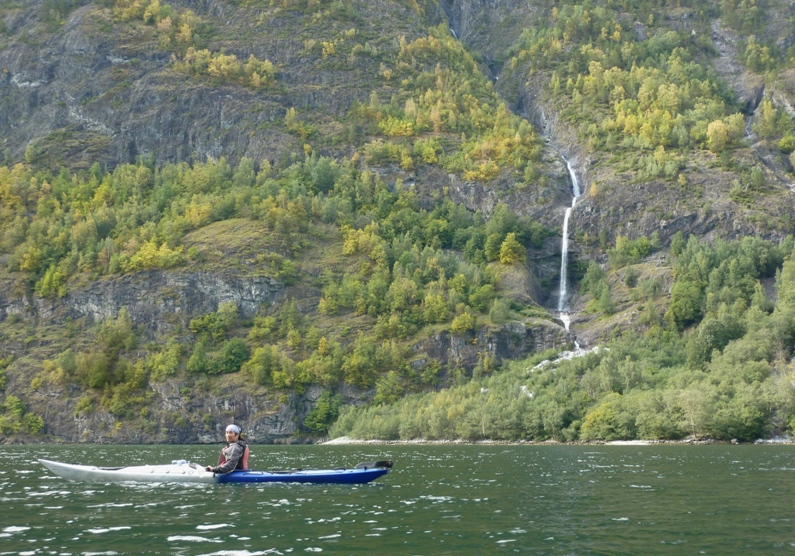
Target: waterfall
{"points": [[563, 305]]}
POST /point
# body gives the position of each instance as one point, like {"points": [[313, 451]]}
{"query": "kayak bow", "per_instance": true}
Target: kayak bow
{"points": [[182, 471]]}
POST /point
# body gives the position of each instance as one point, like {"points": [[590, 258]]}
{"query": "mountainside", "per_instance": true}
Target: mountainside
{"points": [[269, 210]]}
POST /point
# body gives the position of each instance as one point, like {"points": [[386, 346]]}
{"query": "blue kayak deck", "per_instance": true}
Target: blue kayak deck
{"points": [[325, 476]]}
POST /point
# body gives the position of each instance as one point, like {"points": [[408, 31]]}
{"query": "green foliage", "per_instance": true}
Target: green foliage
{"points": [[463, 323], [443, 92], [722, 379], [176, 30], [413, 262], [229, 314], [4, 363], [595, 283], [359, 365], [149, 256], [511, 251], [84, 405], [720, 274], [786, 144], [324, 172], [388, 389], [608, 421], [226, 68], [677, 243], [198, 363], [117, 334], [774, 123], [234, 353], [165, 363], [325, 412], [268, 365], [210, 326], [686, 303], [746, 16], [629, 251], [500, 311], [94, 369], [624, 91], [482, 297], [16, 419]]}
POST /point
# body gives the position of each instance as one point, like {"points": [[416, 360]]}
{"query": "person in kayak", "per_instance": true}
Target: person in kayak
{"points": [[234, 456]]}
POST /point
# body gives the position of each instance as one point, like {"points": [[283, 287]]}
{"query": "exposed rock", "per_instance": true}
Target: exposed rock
{"points": [[96, 90], [748, 86], [157, 300], [509, 341]]}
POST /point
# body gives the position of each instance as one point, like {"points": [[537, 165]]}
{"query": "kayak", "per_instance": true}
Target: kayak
{"points": [[182, 471]]}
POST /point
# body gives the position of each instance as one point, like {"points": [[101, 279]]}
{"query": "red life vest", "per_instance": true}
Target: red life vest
{"points": [[244, 459]]}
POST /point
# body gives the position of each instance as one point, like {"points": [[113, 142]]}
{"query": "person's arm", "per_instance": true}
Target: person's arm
{"points": [[233, 455]]}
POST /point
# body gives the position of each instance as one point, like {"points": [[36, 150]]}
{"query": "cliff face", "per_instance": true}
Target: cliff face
{"points": [[88, 94], [97, 90], [158, 301], [178, 414]]}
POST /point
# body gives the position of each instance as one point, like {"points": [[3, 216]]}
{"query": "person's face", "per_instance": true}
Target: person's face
{"points": [[231, 436]]}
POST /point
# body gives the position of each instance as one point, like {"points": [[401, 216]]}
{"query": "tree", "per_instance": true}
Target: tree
{"points": [[266, 361], [228, 313], [358, 365], [481, 297], [244, 175], [686, 302], [388, 389], [717, 136], [511, 251], [324, 174], [608, 421], [492, 246], [678, 243], [211, 325], [500, 311], [198, 362], [325, 412], [233, 354], [464, 322]]}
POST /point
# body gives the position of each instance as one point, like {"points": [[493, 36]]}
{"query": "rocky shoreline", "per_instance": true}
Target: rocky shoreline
{"points": [[347, 441], [344, 440]]}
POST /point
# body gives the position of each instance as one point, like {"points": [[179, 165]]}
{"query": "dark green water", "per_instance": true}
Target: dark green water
{"points": [[462, 500]]}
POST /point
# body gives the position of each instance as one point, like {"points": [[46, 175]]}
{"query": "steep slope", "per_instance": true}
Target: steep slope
{"points": [[136, 287], [102, 84], [362, 216]]}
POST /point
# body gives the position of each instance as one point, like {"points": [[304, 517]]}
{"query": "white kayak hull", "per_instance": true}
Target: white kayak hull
{"points": [[171, 473]]}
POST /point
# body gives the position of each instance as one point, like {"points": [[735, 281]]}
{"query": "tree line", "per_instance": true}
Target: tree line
{"points": [[716, 363]]}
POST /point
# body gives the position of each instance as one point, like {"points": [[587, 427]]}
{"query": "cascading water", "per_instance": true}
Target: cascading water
{"points": [[563, 305]]}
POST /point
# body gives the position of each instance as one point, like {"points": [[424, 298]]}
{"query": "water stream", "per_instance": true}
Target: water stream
{"points": [[563, 304]]}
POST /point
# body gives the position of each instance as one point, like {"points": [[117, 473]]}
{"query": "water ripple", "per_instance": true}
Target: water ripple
{"points": [[463, 500]]}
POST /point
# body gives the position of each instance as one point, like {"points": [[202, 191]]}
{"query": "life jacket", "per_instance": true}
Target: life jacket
{"points": [[242, 463]]}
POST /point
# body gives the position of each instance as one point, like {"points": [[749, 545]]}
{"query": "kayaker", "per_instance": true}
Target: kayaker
{"points": [[234, 456]]}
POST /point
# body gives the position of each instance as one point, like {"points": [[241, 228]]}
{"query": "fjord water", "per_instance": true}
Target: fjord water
{"points": [[448, 499]]}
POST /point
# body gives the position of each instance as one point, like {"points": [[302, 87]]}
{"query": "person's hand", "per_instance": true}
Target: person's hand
{"points": [[209, 468]]}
